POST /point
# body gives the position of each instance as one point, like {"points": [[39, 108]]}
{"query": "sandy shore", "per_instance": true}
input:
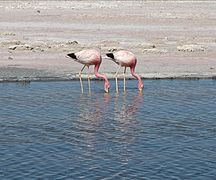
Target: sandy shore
{"points": [[171, 39]]}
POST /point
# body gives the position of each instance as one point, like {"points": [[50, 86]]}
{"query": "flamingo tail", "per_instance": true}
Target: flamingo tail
{"points": [[110, 55], [72, 55]]}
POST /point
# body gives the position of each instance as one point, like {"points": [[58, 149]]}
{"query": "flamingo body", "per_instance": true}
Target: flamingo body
{"points": [[87, 58], [126, 59]]}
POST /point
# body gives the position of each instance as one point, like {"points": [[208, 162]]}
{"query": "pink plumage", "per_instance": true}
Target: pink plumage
{"points": [[126, 59], [87, 58]]}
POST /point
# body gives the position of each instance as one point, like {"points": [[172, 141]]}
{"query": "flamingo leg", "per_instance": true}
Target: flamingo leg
{"points": [[116, 78], [124, 80], [80, 77], [89, 82]]}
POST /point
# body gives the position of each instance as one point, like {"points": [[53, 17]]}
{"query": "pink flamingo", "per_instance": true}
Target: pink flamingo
{"points": [[88, 58], [125, 59]]}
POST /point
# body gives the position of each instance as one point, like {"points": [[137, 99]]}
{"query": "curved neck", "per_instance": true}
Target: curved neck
{"points": [[136, 75], [99, 75]]}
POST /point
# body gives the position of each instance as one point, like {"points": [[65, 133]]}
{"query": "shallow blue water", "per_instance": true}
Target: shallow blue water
{"points": [[48, 130]]}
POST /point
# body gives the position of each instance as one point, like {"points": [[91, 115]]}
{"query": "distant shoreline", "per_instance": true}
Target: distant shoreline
{"points": [[74, 78]]}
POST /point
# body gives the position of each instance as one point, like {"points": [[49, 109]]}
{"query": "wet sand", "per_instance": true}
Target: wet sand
{"points": [[170, 39]]}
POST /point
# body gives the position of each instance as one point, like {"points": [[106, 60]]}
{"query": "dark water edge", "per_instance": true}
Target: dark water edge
{"points": [[26, 75], [75, 78], [49, 130]]}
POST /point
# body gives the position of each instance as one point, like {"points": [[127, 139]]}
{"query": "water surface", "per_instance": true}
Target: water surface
{"points": [[48, 130]]}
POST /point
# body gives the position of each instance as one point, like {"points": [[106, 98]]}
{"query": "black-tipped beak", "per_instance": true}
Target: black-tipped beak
{"points": [[106, 90]]}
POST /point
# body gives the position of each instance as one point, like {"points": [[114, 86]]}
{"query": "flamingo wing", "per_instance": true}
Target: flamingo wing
{"points": [[123, 58], [88, 57]]}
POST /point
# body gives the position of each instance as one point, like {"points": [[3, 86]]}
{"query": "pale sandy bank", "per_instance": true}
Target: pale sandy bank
{"points": [[170, 39]]}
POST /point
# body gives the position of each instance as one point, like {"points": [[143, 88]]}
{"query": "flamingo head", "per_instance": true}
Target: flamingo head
{"points": [[140, 85], [106, 86]]}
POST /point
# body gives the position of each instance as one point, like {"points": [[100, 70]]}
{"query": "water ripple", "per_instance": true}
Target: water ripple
{"points": [[48, 130]]}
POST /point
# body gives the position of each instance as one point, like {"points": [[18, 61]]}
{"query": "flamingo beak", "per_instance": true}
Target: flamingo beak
{"points": [[106, 90]]}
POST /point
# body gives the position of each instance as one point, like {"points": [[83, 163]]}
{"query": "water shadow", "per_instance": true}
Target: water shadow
{"points": [[126, 108]]}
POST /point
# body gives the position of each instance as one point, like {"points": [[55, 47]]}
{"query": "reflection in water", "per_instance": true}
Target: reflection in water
{"points": [[89, 121], [48, 131], [118, 114], [24, 83], [126, 108]]}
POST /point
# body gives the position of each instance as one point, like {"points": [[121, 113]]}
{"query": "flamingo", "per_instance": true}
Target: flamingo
{"points": [[87, 58], [125, 59]]}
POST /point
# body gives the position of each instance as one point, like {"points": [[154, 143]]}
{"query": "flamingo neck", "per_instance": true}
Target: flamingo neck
{"points": [[140, 83], [96, 68]]}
